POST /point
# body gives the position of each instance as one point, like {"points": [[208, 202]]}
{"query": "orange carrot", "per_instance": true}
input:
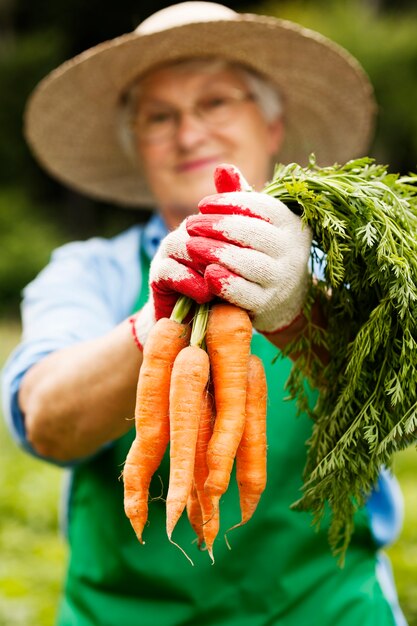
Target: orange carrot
{"points": [[251, 453], [188, 382], [195, 516], [205, 428], [166, 339], [210, 517], [228, 337]]}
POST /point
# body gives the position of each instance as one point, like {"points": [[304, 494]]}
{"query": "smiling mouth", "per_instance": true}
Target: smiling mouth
{"points": [[196, 164]]}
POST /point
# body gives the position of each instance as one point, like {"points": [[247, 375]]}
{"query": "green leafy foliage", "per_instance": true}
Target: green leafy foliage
{"points": [[364, 223], [23, 63], [26, 243], [382, 36]]}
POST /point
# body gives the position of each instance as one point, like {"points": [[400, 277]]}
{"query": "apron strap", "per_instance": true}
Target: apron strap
{"points": [[145, 263]]}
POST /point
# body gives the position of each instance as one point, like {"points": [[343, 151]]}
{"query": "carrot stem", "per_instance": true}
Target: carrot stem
{"points": [[198, 332], [181, 309]]}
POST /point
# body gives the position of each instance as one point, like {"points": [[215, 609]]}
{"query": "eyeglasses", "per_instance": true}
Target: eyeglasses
{"points": [[157, 122]]}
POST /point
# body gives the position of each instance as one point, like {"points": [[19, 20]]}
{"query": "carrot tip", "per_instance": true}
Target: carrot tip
{"points": [[138, 533], [140, 540]]}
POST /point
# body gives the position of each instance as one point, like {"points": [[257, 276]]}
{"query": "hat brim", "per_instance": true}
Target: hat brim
{"points": [[71, 120]]}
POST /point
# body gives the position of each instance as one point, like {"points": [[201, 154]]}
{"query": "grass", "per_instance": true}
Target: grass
{"points": [[32, 549], [33, 552]]}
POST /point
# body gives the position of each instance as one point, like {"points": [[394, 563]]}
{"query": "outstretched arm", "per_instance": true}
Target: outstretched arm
{"points": [[78, 398]]}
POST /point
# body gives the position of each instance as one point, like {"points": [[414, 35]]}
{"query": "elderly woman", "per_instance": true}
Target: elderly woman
{"points": [[147, 118]]}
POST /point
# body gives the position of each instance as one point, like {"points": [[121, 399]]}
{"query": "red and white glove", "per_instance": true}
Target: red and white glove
{"points": [[252, 250], [170, 275]]}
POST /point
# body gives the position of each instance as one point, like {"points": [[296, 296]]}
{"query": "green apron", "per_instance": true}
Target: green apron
{"points": [[279, 570]]}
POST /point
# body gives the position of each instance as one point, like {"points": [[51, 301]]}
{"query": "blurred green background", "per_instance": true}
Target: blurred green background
{"points": [[37, 214]]}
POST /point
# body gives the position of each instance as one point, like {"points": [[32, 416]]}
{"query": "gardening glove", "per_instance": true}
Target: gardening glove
{"points": [[171, 274], [252, 249]]}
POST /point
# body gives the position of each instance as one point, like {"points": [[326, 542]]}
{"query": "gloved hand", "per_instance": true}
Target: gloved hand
{"points": [[170, 275], [252, 249]]}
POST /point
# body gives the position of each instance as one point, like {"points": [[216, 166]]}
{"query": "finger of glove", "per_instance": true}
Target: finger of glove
{"points": [[251, 264], [234, 289], [174, 245], [229, 178], [171, 278], [242, 231], [175, 248], [249, 203], [163, 300]]}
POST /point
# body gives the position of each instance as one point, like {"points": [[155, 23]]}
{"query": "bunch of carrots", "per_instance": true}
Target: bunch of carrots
{"points": [[201, 390]]}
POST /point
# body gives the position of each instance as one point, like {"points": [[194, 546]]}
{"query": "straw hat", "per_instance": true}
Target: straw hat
{"points": [[71, 120]]}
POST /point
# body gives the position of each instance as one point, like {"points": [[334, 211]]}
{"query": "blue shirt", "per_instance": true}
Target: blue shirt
{"points": [[87, 289]]}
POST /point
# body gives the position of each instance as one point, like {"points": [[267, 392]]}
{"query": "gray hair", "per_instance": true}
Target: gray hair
{"points": [[264, 92]]}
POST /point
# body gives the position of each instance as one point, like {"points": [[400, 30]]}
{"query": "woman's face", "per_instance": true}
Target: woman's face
{"points": [[188, 122]]}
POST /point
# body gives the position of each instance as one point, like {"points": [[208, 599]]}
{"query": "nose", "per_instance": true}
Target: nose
{"points": [[191, 130]]}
